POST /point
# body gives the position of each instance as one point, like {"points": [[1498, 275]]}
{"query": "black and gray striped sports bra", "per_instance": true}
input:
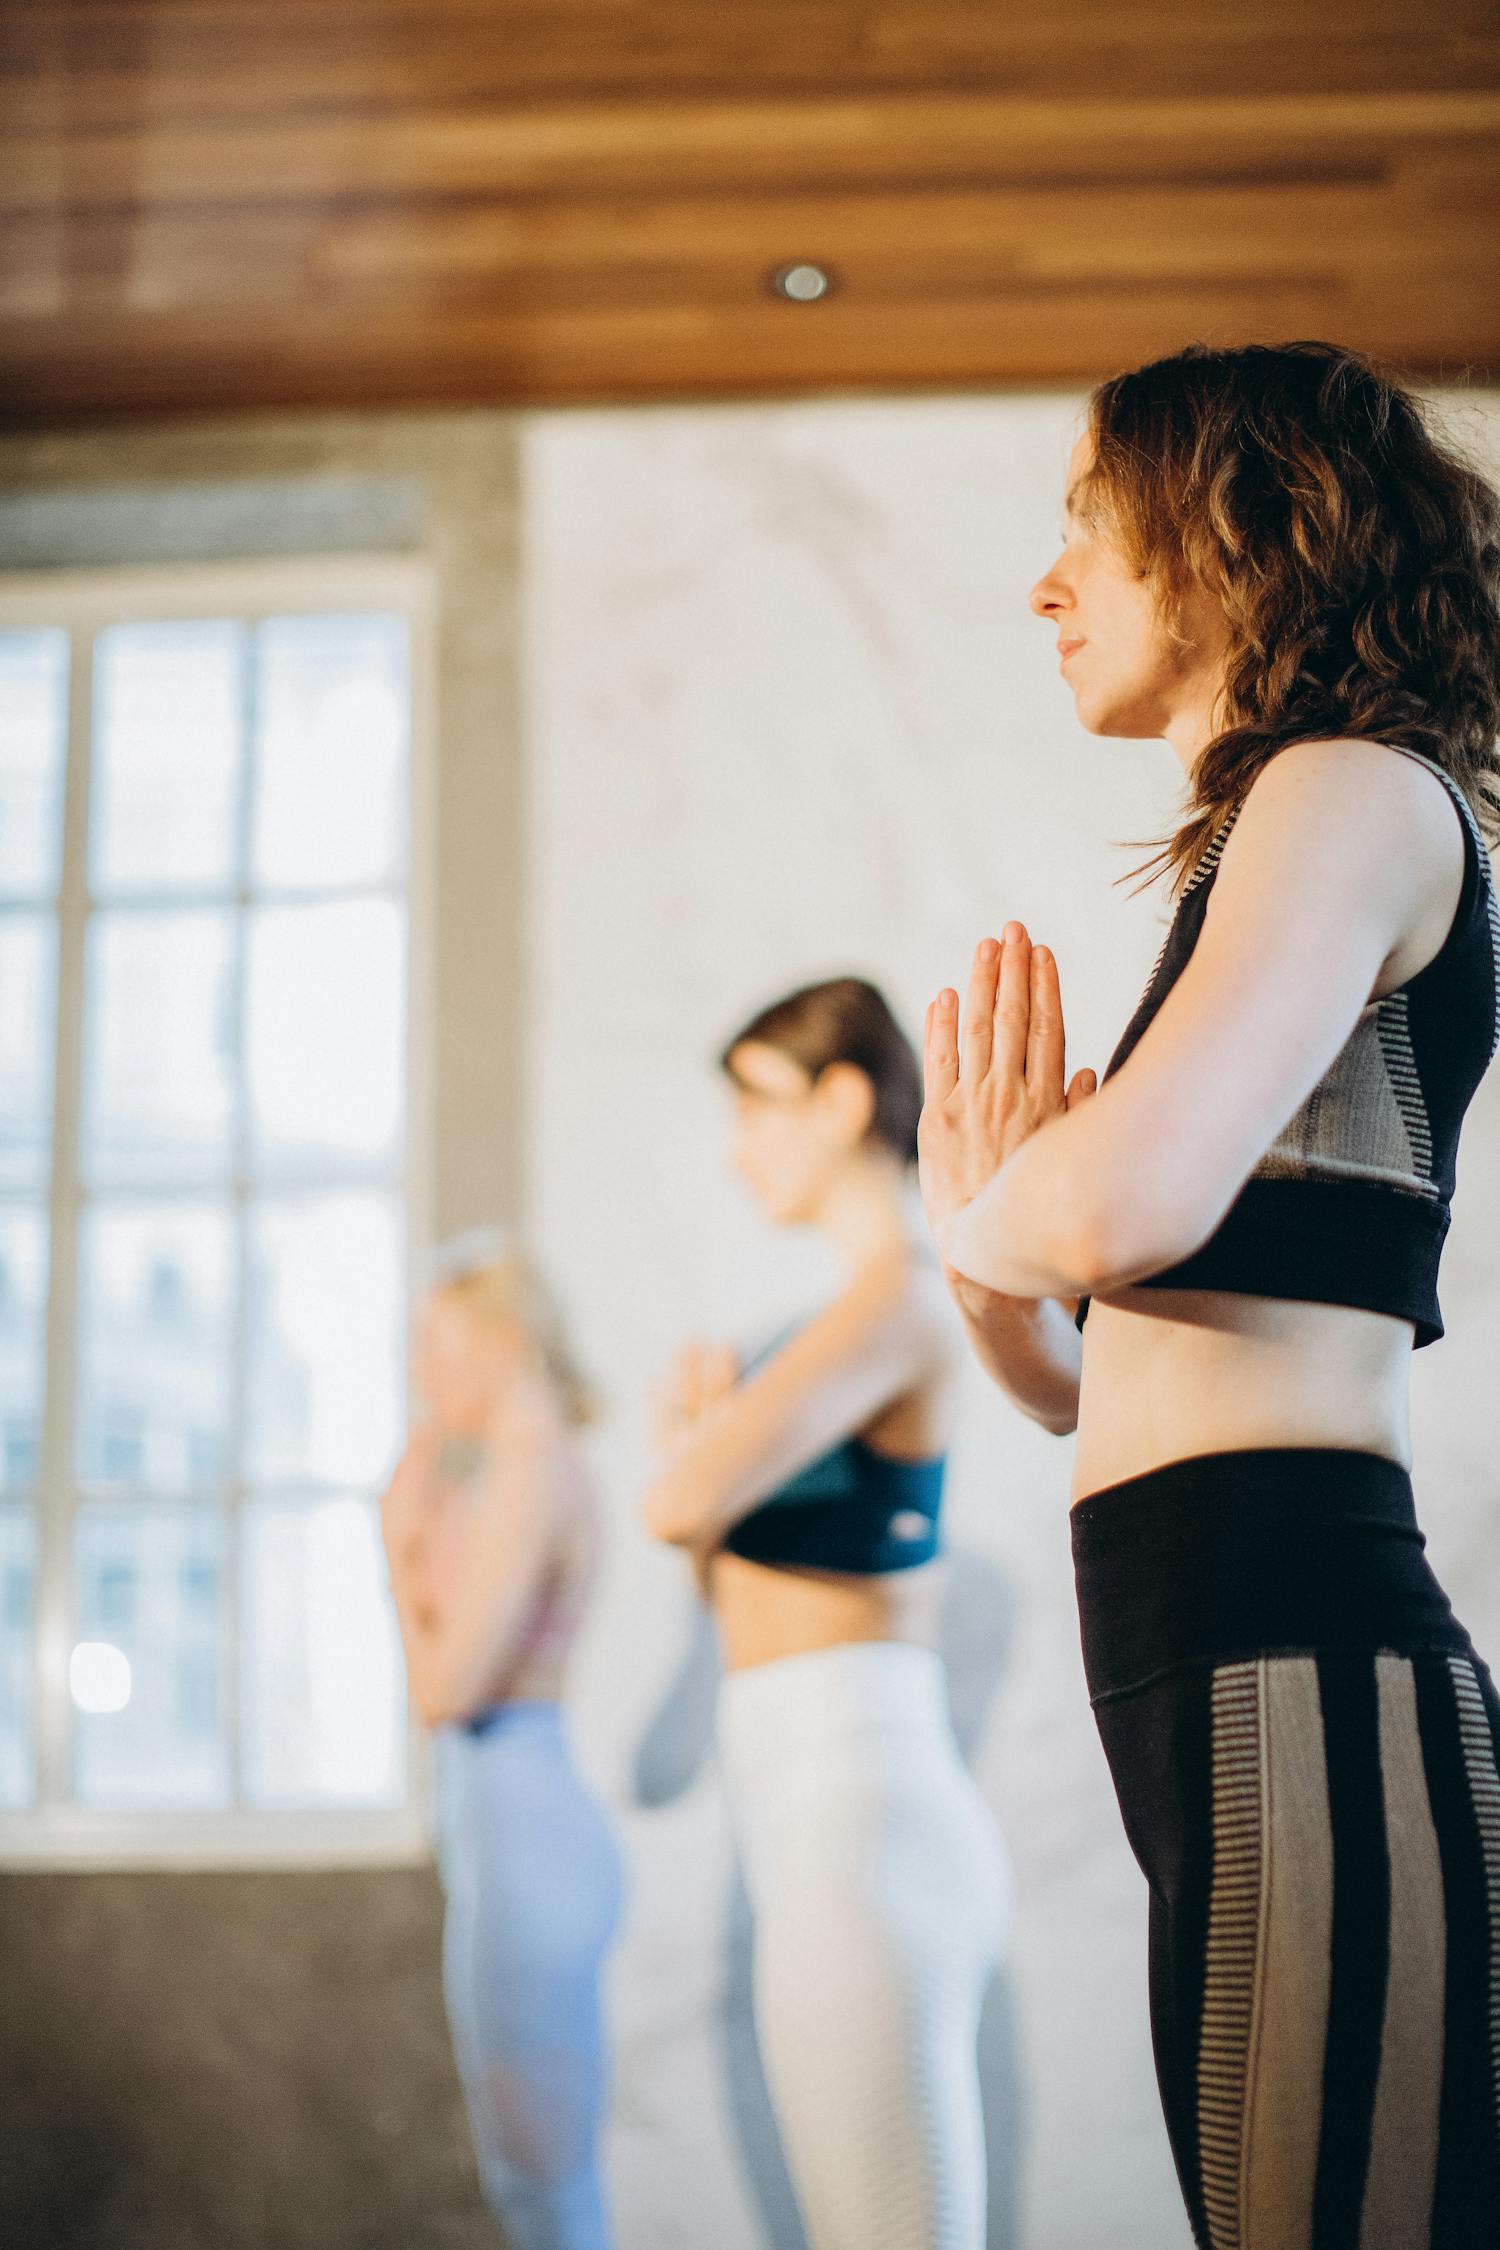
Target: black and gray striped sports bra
{"points": [[1351, 1202]]}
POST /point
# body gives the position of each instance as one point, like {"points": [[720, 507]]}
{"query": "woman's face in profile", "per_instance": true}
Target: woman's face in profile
{"points": [[1130, 675], [447, 1366], [778, 1149]]}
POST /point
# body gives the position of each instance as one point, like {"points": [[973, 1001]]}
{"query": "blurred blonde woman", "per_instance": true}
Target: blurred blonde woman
{"points": [[491, 1528]]}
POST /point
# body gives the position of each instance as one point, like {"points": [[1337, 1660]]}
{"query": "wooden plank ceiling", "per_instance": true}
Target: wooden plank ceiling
{"points": [[226, 204]]}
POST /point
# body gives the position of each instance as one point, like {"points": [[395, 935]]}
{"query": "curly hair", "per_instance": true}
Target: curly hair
{"points": [[1354, 554]]}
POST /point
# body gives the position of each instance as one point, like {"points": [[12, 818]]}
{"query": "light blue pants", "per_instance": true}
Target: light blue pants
{"points": [[534, 1892]]}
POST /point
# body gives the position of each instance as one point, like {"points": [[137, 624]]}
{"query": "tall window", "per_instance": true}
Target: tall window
{"points": [[205, 796]]}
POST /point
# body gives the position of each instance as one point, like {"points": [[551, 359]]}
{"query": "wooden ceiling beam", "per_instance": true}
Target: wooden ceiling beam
{"points": [[691, 145], [882, 242], [1031, 333]]}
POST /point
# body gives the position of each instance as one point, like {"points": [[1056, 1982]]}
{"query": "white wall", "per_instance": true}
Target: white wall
{"points": [[787, 714]]}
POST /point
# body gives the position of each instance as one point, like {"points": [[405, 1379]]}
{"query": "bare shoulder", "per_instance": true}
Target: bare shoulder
{"points": [[895, 1302], [1342, 837], [1366, 788]]}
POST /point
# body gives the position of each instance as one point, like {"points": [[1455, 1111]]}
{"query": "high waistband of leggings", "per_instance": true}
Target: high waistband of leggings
{"points": [[1227, 1556], [787, 1713], [518, 1711]]}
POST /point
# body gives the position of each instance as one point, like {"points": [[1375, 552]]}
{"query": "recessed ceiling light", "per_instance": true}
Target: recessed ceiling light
{"points": [[801, 284]]}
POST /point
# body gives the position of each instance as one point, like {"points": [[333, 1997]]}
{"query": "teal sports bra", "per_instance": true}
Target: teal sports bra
{"points": [[853, 1509]]}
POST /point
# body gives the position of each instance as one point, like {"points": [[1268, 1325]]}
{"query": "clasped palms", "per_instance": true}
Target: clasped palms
{"points": [[990, 1079]]}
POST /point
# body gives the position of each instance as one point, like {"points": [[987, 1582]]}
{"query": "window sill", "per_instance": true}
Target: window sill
{"points": [[79, 1839]]}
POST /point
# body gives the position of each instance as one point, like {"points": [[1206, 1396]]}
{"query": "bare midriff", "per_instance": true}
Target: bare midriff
{"points": [[769, 1610], [1173, 1373]]}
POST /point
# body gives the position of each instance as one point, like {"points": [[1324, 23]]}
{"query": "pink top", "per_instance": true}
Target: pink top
{"points": [[534, 1667]]}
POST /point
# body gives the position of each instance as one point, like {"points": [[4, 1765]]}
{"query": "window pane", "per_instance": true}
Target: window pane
{"points": [[330, 750], [17, 1590], [159, 1055], [33, 752], [28, 986], [148, 1716], [155, 1336], [325, 1002], [324, 1712], [23, 1319], [326, 1348], [167, 719]]}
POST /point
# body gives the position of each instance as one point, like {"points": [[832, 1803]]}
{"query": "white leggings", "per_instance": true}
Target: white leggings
{"points": [[881, 1897]]}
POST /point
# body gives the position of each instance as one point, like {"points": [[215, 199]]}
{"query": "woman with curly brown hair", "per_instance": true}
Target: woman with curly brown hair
{"points": [[1273, 562]]}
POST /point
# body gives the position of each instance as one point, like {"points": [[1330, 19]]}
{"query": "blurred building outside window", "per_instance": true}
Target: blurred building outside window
{"points": [[208, 1095]]}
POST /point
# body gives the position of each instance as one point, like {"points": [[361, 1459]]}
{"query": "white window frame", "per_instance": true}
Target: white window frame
{"points": [[55, 1832]]}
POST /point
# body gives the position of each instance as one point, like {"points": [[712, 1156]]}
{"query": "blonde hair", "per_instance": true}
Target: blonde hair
{"points": [[488, 1273]]}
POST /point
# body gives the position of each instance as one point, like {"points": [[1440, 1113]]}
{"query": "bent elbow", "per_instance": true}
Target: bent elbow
{"points": [[667, 1516], [441, 1698], [1141, 1220], [434, 1708], [1137, 1235], [1098, 1248]]}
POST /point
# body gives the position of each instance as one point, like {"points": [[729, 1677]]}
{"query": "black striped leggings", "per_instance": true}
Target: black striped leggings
{"points": [[1306, 1751]]}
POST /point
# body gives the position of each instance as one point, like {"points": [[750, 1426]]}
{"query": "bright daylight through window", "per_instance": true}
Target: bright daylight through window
{"points": [[203, 1225]]}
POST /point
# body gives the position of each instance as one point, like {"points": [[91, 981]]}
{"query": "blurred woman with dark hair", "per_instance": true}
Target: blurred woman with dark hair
{"points": [[1271, 560], [491, 1533], [805, 1485]]}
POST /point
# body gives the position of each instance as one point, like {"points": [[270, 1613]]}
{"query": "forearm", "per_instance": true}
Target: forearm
{"points": [[456, 1649], [1029, 1234], [413, 1622], [1029, 1346], [402, 1571], [431, 1695], [702, 1487], [453, 1664], [449, 1684], [674, 1523], [682, 1511], [876, 1341], [1094, 1201]]}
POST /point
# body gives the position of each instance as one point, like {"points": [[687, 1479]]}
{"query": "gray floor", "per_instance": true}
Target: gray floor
{"points": [[229, 2062]]}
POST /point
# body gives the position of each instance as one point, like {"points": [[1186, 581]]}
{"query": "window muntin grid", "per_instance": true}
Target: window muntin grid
{"points": [[229, 1147]]}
